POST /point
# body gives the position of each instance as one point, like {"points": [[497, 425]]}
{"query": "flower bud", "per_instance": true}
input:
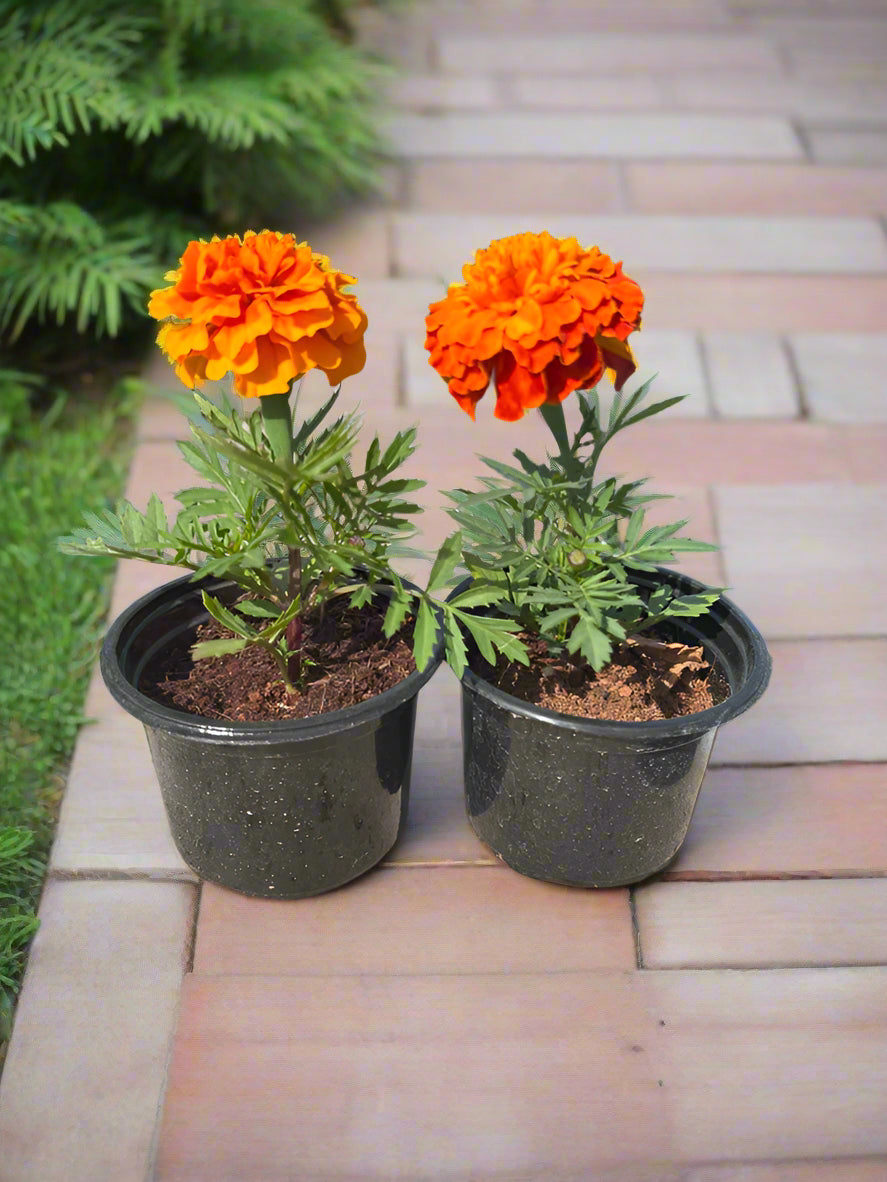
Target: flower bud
{"points": [[577, 558]]}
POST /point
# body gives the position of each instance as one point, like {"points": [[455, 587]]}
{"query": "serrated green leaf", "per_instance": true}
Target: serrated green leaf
{"points": [[424, 635], [361, 596], [692, 605], [493, 632], [654, 408], [262, 608], [455, 652], [395, 615], [687, 544], [478, 595], [589, 640], [227, 618], [554, 619], [217, 648], [445, 562]]}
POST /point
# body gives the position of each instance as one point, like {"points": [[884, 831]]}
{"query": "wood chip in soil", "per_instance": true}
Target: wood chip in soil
{"points": [[646, 680]]}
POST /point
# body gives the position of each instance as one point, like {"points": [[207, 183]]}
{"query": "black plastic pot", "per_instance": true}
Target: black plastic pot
{"points": [[276, 809], [592, 803]]}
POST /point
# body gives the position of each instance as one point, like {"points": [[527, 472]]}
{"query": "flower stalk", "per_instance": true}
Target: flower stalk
{"points": [[278, 421]]}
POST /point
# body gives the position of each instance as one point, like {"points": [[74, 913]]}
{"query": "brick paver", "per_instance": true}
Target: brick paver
{"points": [[744, 925], [396, 922], [750, 375], [770, 822], [443, 1017], [612, 134], [86, 1071], [843, 375], [755, 189], [780, 544]]}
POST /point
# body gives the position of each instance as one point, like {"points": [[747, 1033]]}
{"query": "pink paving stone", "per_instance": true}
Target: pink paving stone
{"points": [[477, 919], [437, 832], [561, 16], [513, 186], [571, 53], [438, 244], [865, 452], [839, 146], [112, 816], [775, 1064], [730, 453], [841, 32], [780, 821], [836, 1170], [439, 712], [356, 242], [764, 303], [371, 1079], [780, 546], [825, 703], [85, 1072], [586, 135], [453, 92], [542, 91], [765, 189], [853, 102], [735, 925]]}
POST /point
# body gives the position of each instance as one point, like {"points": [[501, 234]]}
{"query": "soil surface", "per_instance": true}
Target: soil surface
{"points": [[349, 660], [647, 679]]}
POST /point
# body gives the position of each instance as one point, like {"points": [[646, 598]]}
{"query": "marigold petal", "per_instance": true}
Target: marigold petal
{"points": [[618, 359], [275, 371], [178, 340], [517, 390]]}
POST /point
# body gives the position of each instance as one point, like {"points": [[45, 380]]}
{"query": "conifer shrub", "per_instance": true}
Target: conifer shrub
{"points": [[127, 128]]}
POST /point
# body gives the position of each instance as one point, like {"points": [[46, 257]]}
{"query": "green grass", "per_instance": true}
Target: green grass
{"points": [[52, 466]]}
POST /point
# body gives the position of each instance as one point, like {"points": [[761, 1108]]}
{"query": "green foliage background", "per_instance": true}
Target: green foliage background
{"points": [[127, 128], [53, 466]]}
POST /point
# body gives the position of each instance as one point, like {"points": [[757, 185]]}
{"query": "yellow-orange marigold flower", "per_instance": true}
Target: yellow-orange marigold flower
{"points": [[542, 316], [265, 309]]}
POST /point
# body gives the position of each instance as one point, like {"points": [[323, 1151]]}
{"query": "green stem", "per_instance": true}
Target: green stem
{"points": [[278, 420], [553, 413]]}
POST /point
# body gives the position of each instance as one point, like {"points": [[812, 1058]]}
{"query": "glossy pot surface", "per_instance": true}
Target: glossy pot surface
{"points": [[593, 803], [278, 809]]}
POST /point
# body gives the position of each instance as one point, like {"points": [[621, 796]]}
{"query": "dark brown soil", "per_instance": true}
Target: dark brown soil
{"points": [[646, 680], [350, 660]]}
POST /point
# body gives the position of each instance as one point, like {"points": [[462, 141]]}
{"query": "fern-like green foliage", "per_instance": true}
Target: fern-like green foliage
{"points": [[552, 547], [126, 128]]}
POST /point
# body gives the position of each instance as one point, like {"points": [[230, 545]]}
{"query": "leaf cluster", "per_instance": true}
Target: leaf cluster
{"points": [[346, 521], [127, 129], [553, 548]]}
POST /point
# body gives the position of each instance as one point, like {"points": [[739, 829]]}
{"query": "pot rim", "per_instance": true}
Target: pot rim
{"points": [[744, 696], [160, 717]]}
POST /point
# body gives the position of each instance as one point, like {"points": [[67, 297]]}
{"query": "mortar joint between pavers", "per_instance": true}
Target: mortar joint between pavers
{"points": [[798, 382], [636, 928], [191, 942], [98, 874], [707, 376], [799, 127]]}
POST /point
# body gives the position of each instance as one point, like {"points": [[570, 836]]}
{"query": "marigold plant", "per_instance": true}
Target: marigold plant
{"points": [[550, 546], [537, 315], [289, 512]]}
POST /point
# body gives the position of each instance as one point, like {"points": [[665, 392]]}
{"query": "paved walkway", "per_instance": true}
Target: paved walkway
{"points": [[445, 1018]]}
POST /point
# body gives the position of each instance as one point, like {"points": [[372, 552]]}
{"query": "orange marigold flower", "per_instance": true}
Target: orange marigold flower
{"points": [[265, 309], [541, 316]]}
